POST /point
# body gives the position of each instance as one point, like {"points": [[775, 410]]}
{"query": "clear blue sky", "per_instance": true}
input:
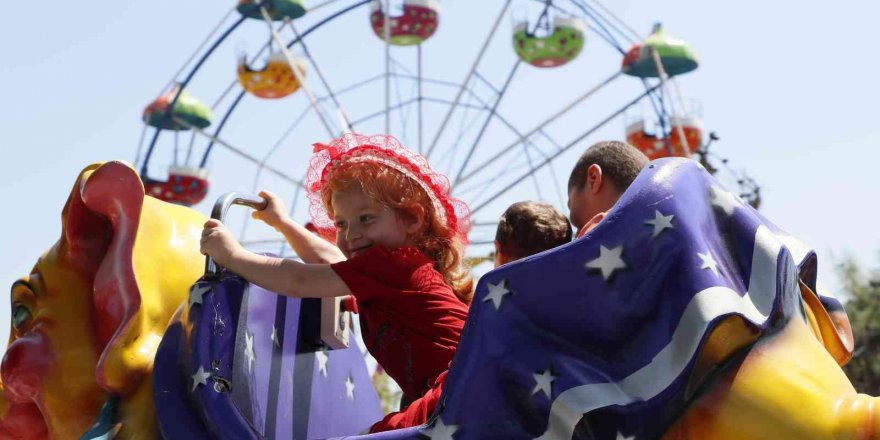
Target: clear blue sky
{"points": [[790, 89]]}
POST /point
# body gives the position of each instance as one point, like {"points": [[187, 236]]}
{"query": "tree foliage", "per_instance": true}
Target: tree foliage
{"points": [[863, 308]]}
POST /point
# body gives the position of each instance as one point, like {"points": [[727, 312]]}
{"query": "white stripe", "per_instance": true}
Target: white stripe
{"points": [[653, 378], [799, 251]]}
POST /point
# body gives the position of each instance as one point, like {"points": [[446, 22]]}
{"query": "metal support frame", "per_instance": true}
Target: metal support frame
{"points": [[676, 121], [241, 94], [419, 82], [467, 79], [239, 152], [296, 73], [321, 77], [386, 21], [540, 126], [564, 149], [488, 120], [183, 84]]}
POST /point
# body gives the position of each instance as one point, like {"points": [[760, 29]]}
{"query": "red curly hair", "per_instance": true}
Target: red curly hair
{"points": [[393, 189]]}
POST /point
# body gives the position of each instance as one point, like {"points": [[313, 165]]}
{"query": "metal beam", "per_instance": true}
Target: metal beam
{"points": [[239, 152], [467, 79], [539, 127], [485, 126], [564, 149], [300, 78]]}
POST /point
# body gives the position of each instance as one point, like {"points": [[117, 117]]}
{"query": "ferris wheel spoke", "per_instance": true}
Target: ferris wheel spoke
{"points": [[402, 111], [379, 113], [419, 84], [479, 187], [235, 82], [654, 100], [189, 149], [448, 102], [183, 84], [513, 164], [359, 84], [633, 35], [676, 121], [562, 200], [488, 120], [467, 79], [300, 78], [229, 111], [564, 149], [238, 151], [336, 102], [409, 102], [387, 34], [464, 125], [137, 154], [534, 174], [276, 146], [540, 126], [219, 128], [605, 34]]}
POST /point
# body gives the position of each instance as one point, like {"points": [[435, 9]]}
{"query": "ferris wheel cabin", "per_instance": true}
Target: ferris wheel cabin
{"points": [[275, 80], [417, 23], [675, 55], [563, 44], [277, 9]]}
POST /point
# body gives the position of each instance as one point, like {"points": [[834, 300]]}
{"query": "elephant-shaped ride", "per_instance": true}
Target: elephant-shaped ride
{"points": [[684, 315]]}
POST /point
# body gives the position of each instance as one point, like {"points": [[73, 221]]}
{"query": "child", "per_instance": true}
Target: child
{"points": [[400, 238], [527, 228]]}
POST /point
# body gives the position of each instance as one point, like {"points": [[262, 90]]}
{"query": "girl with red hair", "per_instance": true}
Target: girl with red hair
{"points": [[400, 240]]}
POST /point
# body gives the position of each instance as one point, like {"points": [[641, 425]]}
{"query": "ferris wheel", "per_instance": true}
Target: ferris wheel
{"points": [[501, 96]]}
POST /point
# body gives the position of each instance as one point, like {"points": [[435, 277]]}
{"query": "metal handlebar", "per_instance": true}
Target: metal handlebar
{"points": [[219, 213]]}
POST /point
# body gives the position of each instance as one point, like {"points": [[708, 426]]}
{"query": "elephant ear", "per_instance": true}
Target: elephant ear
{"points": [[115, 192], [84, 234]]}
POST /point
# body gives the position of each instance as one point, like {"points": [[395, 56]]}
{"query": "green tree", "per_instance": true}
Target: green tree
{"points": [[863, 308]]}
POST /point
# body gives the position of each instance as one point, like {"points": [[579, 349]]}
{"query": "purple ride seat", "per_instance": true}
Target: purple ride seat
{"points": [[239, 362]]}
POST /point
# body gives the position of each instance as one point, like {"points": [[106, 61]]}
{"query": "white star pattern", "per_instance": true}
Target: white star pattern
{"points": [[609, 260], [496, 293], [708, 262], [321, 356], [200, 377], [274, 336], [440, 430], [621, 437], [349, 387], [543, 382], [249, 350], [660, 222], [196, 293], [724, 200]]}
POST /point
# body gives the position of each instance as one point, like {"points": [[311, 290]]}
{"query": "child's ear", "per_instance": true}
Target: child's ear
{"points": [[594, 178], [415, 222]]}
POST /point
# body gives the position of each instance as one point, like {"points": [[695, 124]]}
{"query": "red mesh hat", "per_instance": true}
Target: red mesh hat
{"points": [[385, 150]]}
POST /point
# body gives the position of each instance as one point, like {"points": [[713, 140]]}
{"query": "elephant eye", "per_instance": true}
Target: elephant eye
{"points": [[20, 315]]}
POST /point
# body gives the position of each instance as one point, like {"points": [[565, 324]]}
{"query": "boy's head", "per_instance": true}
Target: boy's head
{"points": [[600, 177], [527, 228]]}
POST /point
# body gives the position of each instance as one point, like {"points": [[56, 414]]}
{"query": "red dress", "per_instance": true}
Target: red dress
{"points": [[410, 318]]}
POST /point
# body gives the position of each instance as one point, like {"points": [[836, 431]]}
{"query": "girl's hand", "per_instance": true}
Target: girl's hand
{"points": [[218, 243], [275, 212]]}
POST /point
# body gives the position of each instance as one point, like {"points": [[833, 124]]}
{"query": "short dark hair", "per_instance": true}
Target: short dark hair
{"points": [[527, 228], [620, 163]]}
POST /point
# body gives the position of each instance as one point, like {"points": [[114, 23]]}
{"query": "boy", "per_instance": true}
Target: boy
{"points": [[527, 228]]}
